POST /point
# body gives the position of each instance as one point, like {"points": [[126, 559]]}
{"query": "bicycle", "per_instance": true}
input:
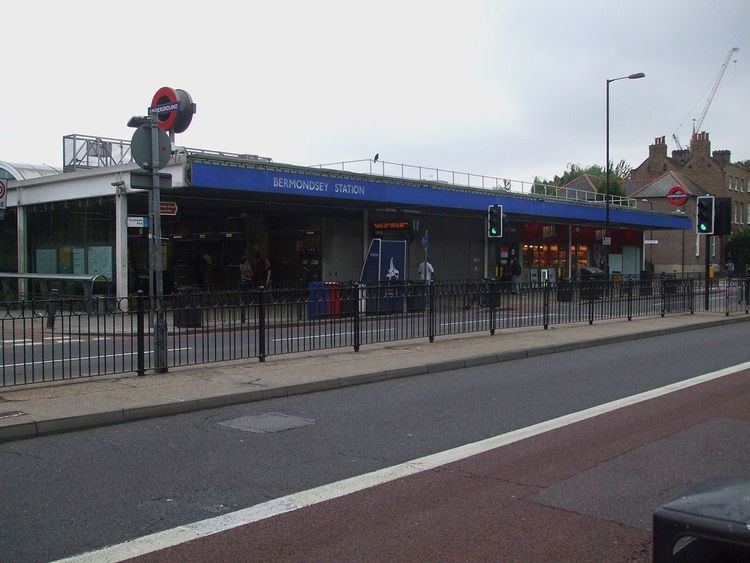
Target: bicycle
{"points": [[477, 294]]}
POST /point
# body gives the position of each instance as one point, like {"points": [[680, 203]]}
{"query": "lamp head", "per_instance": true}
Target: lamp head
{"points": [[636, 75]]}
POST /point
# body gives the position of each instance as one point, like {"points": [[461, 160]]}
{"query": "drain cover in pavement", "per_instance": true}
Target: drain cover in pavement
{"points": [[267, 422]]}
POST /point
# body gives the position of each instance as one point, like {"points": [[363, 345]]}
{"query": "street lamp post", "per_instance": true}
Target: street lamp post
{"points": [[606, 180]]}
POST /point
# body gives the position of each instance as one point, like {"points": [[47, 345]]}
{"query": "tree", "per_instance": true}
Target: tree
{"points": [[738, 248], [617, 173], [543, 187]]}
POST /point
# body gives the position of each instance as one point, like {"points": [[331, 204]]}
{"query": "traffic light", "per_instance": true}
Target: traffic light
{"points": [[495, 221], [704, 215], [723, 216]]}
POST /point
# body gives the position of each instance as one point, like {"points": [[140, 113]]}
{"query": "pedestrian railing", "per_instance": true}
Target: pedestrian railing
{"points": [[67, 338]]}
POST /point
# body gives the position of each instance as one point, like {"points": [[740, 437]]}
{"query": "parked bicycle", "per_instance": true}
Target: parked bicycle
{"points": [[477, 293]]}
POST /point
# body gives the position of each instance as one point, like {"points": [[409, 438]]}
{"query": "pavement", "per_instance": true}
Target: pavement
{"points": [[65, 406]]}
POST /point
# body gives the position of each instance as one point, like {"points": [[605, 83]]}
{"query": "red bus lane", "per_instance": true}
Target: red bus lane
{"points": [[582, 492]]}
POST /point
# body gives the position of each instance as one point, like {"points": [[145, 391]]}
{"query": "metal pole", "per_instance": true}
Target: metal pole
{"points": [[708, 250], [606, 195], [160, 330]]}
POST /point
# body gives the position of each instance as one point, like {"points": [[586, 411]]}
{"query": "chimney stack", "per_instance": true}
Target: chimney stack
{"points": [[658, 149], [700, 146], [723, 157], [682, 156]]}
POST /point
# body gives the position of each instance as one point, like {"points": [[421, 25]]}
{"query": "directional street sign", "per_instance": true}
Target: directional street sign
{"points": [[168, 208]]}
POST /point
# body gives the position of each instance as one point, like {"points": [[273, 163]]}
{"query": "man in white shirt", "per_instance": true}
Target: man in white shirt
{"points": [[426, 271]]}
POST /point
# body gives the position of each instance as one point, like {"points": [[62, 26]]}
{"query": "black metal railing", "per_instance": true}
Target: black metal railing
{"points": [[66, 338]]}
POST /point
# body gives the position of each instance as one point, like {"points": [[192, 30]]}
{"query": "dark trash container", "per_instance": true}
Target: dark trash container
{"points": [[592, 282], [186, 307], [384, 298], [565, 290]]}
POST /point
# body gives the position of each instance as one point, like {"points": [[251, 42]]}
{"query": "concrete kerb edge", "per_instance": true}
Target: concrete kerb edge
{"points": [[27, 430]]}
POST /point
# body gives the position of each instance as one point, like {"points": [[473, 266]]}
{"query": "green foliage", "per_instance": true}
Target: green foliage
{"points": [[617, 173], [543, 187], [738, 247]]}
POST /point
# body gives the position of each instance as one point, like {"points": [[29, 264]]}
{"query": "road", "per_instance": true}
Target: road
{"points": [[72, 493]]}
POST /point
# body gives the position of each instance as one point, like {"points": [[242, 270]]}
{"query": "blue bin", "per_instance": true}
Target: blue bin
{"points": [[317, 302]]}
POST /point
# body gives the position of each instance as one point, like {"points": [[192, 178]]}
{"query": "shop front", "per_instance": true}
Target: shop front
{"points": [[550, 252]]}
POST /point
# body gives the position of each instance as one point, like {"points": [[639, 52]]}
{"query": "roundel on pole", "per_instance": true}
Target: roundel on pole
{"points": [[175, 119], [677, 195]]}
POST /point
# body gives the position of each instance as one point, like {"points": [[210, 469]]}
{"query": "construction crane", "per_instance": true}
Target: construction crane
{"points": [[697, 124]]}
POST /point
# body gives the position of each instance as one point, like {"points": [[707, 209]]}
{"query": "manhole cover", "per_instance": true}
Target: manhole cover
{"points": [[267, 422]]}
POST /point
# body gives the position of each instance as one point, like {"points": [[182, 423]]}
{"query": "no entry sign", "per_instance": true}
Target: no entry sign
{"points": [[677, 195]]}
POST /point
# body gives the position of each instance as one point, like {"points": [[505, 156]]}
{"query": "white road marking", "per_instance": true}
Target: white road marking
{"points": [[181, 534], [86, 358]]}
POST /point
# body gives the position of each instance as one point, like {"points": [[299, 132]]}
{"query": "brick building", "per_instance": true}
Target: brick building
{"points": [[697, 171]]}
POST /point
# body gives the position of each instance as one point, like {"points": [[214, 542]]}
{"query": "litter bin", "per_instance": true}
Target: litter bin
{"points": [[592, 283], [317, 302], [565, 290], [324, 299], [186, 307], [384, 298], [333, 304]]}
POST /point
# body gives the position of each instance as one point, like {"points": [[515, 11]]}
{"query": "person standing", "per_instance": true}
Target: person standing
{"points": [[265, 274], [426, 272], [515, 275], [264, 279], [246, 285]]}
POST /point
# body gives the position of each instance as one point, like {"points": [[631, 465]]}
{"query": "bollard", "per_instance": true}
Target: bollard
{"points": [[431, 319], [494, 294], [262, 324], [546, 305], [355, 298], [140, 340]]}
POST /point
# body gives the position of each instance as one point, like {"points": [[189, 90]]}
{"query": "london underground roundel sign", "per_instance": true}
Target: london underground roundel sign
{"points": [[174, 109], [677, 195]]}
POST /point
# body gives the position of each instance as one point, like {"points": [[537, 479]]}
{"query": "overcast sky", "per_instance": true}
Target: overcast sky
{"points": [[512, 89]]}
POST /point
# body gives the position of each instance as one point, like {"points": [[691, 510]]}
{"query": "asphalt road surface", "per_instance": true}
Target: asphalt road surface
{"points": [[67, 494]]}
